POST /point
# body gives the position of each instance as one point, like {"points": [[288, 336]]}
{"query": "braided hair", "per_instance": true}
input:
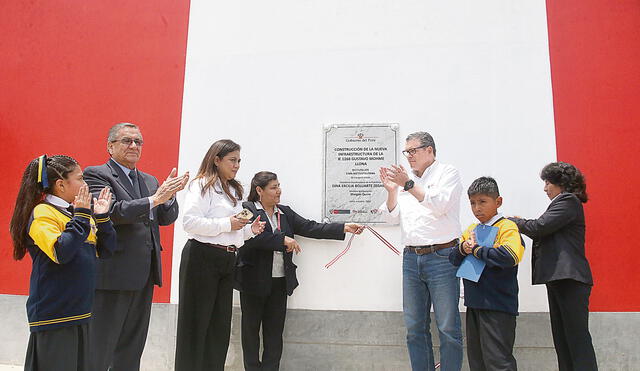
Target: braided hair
{"points": [[32, 193]]}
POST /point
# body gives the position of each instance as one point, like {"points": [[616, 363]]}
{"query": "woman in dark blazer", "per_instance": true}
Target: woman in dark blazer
{"points": [[265, 273], [559, 262]]}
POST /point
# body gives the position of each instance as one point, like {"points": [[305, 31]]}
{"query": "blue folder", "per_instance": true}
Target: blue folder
{"points": [[472, 267]]}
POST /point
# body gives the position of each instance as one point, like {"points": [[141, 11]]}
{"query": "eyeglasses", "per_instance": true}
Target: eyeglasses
{"points": [[411, 151], [127, 141]]}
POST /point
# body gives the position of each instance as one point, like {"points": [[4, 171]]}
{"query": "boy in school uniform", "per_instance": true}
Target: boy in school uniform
{"points": [[492, 301]]}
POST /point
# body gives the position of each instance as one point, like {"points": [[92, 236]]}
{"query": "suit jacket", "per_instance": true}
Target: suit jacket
{"points": [[138, 250], [255, 258], [558, 241]]}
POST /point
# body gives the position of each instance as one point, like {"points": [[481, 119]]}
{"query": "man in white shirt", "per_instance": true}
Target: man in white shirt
{"points": [[426, 203]]}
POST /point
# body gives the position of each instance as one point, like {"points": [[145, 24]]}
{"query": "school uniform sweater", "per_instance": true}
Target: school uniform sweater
{"points": [[497, 288], [64, 249]]}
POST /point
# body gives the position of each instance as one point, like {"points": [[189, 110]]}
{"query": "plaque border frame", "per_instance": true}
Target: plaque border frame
{"points": [[326, 129]]}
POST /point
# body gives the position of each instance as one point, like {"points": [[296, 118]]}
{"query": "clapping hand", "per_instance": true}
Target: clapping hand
{"points": [[397, 174], [353, 228], [83, 198], [102, 203], [388, 184], [469, 244], [170, 187]]}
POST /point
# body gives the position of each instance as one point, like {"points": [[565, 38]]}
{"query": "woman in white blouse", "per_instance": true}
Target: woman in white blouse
{"points": [[206, 271]]}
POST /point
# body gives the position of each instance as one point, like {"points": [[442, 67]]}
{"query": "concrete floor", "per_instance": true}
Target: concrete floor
{"points": [[350, 340]]}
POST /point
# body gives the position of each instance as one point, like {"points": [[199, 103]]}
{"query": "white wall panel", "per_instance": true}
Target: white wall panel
{"points": [[269, 75]]}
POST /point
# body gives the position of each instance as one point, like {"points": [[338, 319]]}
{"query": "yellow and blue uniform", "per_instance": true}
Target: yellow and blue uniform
{"points": [[64, 248], [497, 288]]}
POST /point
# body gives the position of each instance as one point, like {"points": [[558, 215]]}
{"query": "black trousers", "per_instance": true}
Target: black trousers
{"points": [[490, 338], [569, 312], [204, 310], [61, 349], [118, 328], [269, 312]]}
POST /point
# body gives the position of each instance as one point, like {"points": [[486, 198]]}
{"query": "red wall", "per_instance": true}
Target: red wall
{"points": [[70, 70], [595, 68]]}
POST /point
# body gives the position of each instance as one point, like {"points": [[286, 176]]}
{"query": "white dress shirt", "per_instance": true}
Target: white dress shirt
{"points": [[277, 269], [207, 218], [56, 201], [493, 220], [126, 172], [437, 218]]}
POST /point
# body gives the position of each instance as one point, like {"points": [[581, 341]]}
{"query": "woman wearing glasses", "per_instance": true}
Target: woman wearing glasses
{"points": [[215, 229], [265, 273]]}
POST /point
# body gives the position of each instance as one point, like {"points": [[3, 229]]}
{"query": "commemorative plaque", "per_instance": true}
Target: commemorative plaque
{"points": [[353, 155]]}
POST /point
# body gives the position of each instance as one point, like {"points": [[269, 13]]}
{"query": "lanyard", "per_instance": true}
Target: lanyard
{"points": [[275, 211]]}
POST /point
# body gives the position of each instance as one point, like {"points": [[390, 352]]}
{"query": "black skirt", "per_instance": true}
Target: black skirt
{"points": [[61, 349]]}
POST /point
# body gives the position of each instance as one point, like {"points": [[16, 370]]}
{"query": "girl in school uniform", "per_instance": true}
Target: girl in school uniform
{"points": [[53, 222]]}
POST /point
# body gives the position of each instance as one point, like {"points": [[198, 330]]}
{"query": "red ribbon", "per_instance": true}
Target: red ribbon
{"points": [[375, 233]]}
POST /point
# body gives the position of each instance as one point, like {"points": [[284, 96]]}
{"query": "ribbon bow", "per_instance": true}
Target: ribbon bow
{"points": [[42, 172]]}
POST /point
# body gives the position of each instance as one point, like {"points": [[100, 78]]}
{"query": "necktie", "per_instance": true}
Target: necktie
{"points": [[133, 175]]}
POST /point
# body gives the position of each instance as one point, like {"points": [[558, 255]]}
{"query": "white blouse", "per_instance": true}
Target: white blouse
{"points": [[207, 218]]}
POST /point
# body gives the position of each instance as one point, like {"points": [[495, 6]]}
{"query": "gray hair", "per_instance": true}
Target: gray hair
{"points": [[113, 132], [424, 138]]}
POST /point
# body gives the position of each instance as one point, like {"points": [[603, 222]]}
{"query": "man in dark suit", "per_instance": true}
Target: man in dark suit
{"points": [[125, 282]]}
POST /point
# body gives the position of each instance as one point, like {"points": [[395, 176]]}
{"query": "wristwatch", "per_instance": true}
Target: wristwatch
{"points": [[408, 185]]}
